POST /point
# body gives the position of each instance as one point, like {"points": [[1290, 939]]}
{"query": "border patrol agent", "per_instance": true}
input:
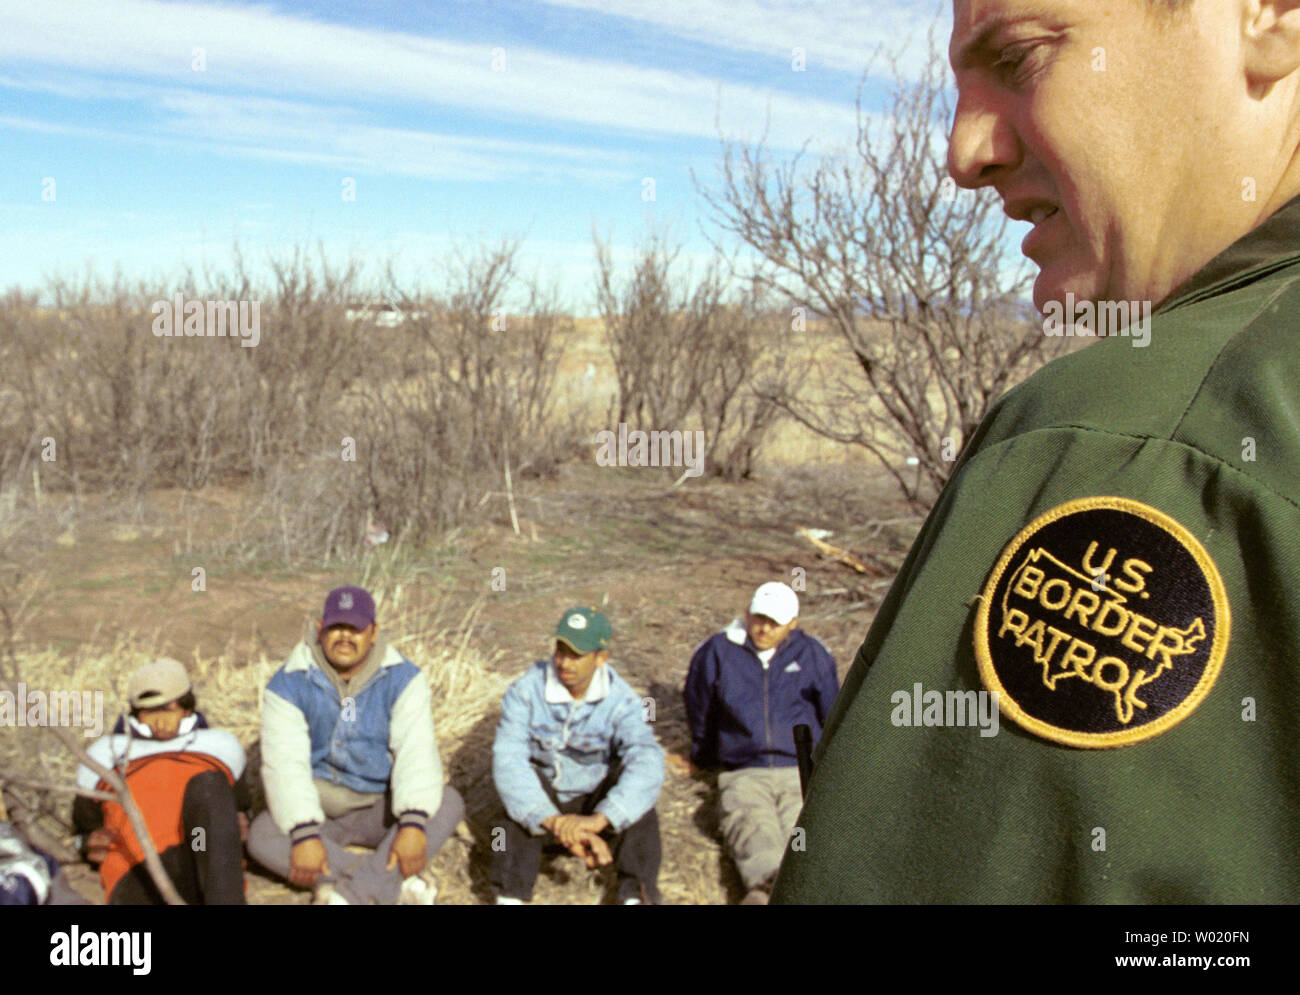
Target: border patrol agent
{"points": [[1115, 555]]}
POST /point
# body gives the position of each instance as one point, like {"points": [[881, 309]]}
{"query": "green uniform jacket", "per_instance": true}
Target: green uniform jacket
{"points": [[1202, 428]]}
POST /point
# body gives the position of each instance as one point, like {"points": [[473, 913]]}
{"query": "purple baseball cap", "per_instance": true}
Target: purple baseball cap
{"points": [[348, 606]]}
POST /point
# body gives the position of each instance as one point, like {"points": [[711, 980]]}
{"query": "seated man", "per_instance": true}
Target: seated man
{"points": [[575, 762], [182, 777], [349, 758], [747, 688]]}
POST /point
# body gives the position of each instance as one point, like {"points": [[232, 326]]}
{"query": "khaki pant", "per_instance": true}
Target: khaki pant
{"points": [[760, 806]]}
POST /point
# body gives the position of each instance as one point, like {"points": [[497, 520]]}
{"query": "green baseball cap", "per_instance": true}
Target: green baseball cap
{"points": [[584, 629]]}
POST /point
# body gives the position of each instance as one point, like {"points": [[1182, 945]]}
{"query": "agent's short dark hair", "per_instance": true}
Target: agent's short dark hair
{"points": [[186, 701]]}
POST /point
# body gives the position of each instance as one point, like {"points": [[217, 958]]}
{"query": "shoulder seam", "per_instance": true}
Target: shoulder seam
{"points": [[1212, 366], [1152, 438]]}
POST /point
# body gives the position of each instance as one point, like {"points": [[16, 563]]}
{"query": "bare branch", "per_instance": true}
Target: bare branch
{"points": [[63, 789]]}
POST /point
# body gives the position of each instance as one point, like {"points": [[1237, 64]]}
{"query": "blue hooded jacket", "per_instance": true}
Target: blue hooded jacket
{"points": [[743, 714]]}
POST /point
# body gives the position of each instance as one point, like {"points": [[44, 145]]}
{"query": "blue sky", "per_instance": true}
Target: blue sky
{"points": [[172, 130]]}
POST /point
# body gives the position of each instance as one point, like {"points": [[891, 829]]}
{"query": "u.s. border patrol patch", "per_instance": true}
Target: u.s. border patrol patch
{"points": [[1104, 623]]}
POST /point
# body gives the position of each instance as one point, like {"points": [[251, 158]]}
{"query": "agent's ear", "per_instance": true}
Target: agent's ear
{"points": [[794, 623], [1272, 42], [602, 657]]}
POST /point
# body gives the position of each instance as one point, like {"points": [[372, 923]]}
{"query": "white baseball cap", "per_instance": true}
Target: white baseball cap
{"points": [[777, 601]]}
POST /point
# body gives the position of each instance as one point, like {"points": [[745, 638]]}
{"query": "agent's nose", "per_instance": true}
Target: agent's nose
{"points": [[982, 142]]}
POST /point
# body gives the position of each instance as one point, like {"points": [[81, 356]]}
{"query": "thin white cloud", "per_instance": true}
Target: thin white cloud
{"points": [[258, 50], [832, 33], [296, 131], [74, 86], [280, 131], [52, 128]]}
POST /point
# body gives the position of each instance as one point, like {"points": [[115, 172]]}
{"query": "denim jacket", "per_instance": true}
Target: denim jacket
{"points": [[545, 736]]}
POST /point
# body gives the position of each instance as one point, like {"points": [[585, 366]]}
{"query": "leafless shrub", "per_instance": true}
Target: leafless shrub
{"points": [[312, 351], [437, 408], [128, 410], [910, 274], [687, 354], [479, 402]]}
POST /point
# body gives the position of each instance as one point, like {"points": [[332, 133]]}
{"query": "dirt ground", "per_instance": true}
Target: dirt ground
{"points": [[669, 566]]}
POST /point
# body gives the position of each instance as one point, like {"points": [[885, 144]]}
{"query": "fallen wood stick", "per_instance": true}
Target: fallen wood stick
{"points": [[840, 555]]}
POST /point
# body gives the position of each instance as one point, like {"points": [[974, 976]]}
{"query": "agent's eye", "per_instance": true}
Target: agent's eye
{"points": [[1017, 62]]}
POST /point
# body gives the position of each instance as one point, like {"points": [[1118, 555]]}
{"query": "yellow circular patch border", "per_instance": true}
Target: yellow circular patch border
{"points": [[1097, 740]]}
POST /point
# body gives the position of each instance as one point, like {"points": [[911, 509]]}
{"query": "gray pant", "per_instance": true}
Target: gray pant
{"points": [[361, 878], [760, 806]]}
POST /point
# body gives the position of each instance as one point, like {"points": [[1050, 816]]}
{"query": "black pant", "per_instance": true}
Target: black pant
{"points": [[213, 875], [637, 851]]}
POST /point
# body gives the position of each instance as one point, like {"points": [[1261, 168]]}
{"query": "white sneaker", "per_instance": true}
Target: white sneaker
{"points": [[324, 894], [507, 900], [418, 889]]}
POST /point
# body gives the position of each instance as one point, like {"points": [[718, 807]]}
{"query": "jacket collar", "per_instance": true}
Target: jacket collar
{"points": [[141, 731], [558, 694], [1269, 246], [737, 633]]}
